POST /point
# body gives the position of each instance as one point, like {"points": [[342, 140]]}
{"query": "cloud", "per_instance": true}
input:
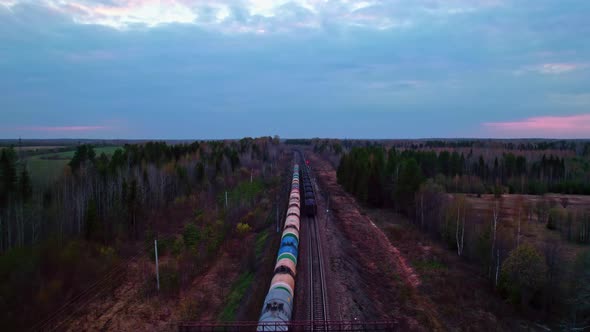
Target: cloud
{"points": [[257, 15], [395, 85], [552, 68], [64, 129], [93, 55], [423, 67], [570, 99], [569, 126]]}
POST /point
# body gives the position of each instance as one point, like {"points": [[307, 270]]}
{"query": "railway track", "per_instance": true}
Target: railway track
{"points": [[318, 304]]}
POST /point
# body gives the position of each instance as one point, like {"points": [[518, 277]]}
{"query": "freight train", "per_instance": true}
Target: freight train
{"points": [[278, 304], [309, 204]]}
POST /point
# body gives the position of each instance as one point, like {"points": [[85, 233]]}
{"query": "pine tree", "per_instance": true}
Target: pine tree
{"points": [[8, 178], [25, 188]]}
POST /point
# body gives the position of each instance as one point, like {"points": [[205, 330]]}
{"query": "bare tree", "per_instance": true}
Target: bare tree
{"points": [[542, 208], [519, 205], [497, 267], [421, 210], [495, 219], [460, 217]]}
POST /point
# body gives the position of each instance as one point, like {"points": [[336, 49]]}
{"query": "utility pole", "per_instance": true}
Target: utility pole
{"points": [[157, 269], [226, 199], [327, 207]]}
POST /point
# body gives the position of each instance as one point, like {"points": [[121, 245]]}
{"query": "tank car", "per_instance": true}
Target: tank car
{"points": [[278, 304], [311, 208]]}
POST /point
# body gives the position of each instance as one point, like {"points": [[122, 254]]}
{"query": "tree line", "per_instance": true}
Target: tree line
{"points": [[432, 188], [101, 195], [467, 173], [55, 241]]}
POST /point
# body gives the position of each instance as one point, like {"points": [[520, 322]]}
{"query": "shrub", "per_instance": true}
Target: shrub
{"points": [[556, 215], [190, 235], [178, 246], [523, 274], [498, 191], [243, 228]]}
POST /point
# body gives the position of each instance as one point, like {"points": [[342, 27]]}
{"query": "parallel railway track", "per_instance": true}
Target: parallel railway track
{"points": [[318, 304]]}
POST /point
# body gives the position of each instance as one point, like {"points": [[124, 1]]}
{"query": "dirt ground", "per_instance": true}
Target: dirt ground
{"points": [[369, 278], [131, 308], [127, 309], [132, 304], [381, 268]]}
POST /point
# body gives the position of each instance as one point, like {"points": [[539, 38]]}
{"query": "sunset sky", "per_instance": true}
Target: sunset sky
{"points": [[305, 68]]}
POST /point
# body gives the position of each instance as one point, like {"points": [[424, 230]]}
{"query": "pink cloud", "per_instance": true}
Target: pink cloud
{"points": [[65, 128], [572, 126]]}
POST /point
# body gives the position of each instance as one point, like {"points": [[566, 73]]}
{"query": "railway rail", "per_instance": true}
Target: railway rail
{"points": [[334, 326], [318, 303]]}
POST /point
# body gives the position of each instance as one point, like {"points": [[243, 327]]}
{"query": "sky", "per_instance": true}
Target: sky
{"points": [[180, 69]]}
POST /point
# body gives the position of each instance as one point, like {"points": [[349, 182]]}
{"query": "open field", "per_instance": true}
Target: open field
{"points": [[45, 168], [43, 172], [37, 148], [533, 229], [70, 154]]}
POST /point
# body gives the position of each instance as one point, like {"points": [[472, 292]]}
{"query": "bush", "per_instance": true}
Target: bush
{"points": [[243, 229], [178, 246], [556, 215], [523, 274], [190, 235], [498, 191]]}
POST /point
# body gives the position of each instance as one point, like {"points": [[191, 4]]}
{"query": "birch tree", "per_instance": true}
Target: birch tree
{"points": [[495, 219], [460, 227], [519, 207]]}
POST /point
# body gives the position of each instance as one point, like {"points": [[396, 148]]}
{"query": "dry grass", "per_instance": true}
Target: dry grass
{"points": [[456, 290], [533, 230]]}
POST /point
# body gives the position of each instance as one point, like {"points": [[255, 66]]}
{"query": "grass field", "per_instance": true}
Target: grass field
{"points": [[46, 168], [532, 231], [38, 148], [70, 154]]}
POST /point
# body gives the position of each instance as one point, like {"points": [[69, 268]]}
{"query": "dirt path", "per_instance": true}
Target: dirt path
{"points": [[369, 277]]}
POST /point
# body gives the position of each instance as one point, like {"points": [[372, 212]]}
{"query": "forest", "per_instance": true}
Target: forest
{"points": [[511, 213], [55, 240]]}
